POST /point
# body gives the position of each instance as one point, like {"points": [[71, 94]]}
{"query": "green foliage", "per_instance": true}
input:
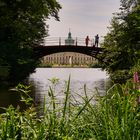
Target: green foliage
{"points": [[121, 76], [24, 94], [45, 65], [57, 121], [23, 26], [115, 116], [122, 41], [95, 65]]}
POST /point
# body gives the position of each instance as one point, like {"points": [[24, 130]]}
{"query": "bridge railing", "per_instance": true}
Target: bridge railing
{"points": [[58, 41]]}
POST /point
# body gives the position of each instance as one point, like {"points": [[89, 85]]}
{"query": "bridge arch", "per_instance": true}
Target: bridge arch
{"points": [[41, 51]]}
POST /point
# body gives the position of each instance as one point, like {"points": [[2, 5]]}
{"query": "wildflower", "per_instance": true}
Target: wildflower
{"points": [[139, 99], [136, 82], [136, 77]]}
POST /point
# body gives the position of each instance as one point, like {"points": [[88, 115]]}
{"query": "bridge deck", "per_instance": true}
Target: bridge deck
{"points": [[47, 50]]}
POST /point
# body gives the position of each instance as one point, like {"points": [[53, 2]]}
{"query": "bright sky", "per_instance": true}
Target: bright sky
{"points": [[83, 17]]}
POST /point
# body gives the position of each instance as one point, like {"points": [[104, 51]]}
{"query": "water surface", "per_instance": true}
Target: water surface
{"points": [[94, 79]]}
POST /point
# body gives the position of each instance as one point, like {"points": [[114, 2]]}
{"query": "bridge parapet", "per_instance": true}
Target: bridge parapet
{"points": [[58, 41]]}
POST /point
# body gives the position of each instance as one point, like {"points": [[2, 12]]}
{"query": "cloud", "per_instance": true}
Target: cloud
{"points": [[84, 17]]}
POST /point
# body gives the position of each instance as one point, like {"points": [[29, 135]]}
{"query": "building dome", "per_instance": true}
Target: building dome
{"points": [[69, 40]]}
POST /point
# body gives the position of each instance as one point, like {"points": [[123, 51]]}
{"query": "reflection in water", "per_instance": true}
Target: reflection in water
{"points": [[94, 79], [7, 98]]}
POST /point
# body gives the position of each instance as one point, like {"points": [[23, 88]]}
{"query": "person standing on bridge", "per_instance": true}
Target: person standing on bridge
{"points": [[87, 40], [96, 40]]}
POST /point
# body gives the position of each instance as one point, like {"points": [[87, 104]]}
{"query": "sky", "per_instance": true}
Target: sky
{"points": [[83, 17]]}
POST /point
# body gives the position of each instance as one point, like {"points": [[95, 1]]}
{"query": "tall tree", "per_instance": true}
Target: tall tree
{"points": [[122, 42], [22, 24]]}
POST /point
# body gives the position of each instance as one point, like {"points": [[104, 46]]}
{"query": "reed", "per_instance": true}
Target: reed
{"points": [[115, 116]]}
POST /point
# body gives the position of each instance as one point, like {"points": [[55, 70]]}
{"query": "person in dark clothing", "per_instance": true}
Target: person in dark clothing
{"points": [[96, 40], [87, 40]]}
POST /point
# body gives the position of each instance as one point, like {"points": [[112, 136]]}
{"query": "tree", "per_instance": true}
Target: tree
{"points": [[122, 42], [23, 24]]}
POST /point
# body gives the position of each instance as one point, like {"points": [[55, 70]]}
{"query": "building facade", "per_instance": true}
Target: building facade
{"points": [[68, 58]]}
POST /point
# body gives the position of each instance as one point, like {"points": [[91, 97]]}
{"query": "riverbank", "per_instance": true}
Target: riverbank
{"points": [[94, 65], [62, 66]]}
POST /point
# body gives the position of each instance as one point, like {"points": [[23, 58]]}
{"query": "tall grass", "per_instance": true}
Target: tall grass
{"points": [[115, 116]]}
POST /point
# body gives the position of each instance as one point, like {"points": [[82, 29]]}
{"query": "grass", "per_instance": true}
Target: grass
{"points": [[115, 116]]}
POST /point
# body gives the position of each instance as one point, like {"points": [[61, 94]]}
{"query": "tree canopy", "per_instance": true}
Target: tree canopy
{"points": [[122, 42], [22, 24]]}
